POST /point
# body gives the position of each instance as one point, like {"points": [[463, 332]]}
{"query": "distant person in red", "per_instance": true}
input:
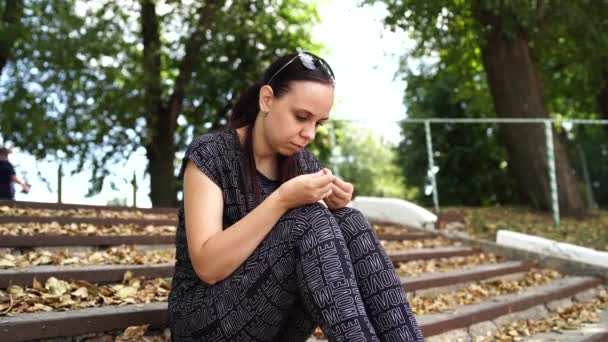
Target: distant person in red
{"points": [[8, 177]]}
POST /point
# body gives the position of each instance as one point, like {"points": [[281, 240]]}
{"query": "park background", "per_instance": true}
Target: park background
{"points": [[113, 90]]}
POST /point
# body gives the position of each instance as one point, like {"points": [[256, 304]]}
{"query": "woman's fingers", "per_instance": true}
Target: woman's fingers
{"points": [[321, 180], [344, 186], [338, 192]]}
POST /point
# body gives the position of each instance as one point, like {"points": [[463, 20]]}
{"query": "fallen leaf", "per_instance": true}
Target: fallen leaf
{"points": [[56, 286], [81, 292], [126, 292]]}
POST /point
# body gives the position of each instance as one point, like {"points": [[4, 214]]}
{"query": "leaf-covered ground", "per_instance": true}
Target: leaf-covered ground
{"points": [[568, 318], [477, 292], [395, 246], [418, 267], [591, 231], [90, 213], [82, 229], [123, 254], [60, 295]]}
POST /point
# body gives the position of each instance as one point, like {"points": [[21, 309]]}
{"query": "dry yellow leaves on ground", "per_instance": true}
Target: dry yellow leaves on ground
{"points": [[55, 228], [416, 267], [388, 229], [60, 295], [568, 318], [127, 214], [394, 246], [477, 292], [122, 254]]}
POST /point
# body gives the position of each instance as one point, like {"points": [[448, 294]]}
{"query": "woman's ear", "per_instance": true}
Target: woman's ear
{"points": [[266, 97]]}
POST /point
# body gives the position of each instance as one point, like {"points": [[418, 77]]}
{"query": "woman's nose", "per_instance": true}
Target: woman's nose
{"points": [[309, 132]]}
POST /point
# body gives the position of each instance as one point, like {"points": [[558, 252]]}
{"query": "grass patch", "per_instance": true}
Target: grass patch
{"points": [[591, 231]]}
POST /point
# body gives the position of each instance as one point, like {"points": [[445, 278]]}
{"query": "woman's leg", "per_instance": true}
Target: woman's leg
{"points": [[299, 325], [325, 276], [249, 305], [381, 291], [303, 256]]}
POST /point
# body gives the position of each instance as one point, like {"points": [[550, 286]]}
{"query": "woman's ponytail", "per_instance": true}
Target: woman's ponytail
{"points": [[244, 113], [247, 107]]}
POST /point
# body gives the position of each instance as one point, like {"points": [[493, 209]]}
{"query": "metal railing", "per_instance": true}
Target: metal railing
{"points": [[548, 124]]}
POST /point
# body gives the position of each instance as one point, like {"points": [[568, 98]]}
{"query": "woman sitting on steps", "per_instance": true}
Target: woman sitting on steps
{"points": [[266, 248]]}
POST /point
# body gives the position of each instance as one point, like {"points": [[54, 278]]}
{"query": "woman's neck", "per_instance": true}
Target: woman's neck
{"points": [[265, 157], [262, 151]]}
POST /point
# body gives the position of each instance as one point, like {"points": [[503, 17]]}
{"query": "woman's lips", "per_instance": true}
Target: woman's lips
{"points": [[297, 147]]}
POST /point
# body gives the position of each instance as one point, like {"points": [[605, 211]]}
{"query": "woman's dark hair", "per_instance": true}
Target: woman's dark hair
{"points": [[281, 74]]}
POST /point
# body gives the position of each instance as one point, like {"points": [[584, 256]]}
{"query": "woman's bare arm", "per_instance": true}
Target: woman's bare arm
{"points": [[217, 253]]}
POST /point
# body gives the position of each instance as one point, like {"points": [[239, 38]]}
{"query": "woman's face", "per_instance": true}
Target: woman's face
{"points": [[293, 119]]}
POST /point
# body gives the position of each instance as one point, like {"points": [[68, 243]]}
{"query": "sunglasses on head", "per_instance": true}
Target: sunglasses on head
{"points": [[309, 61]]}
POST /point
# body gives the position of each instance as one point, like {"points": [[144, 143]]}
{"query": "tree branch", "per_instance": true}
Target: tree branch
{"points": [[191, 59]]}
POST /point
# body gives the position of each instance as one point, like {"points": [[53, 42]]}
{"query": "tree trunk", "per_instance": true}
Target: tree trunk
{"points": [[517, 92], [161, 154], [160, 147], [161, 118], [9, 29]]}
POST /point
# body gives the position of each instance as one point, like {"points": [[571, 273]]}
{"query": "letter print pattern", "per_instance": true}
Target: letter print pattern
{"points": [[303, 274], [384, 299]]}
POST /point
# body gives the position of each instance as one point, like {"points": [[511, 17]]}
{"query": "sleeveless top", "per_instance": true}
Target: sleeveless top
{"points": [[219, 155]]}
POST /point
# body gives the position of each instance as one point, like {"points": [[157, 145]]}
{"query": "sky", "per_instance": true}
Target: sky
{"points": [[364, 56]]}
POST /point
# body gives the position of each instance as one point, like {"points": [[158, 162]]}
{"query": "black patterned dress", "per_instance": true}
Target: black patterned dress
{"points": [[316, 267]]}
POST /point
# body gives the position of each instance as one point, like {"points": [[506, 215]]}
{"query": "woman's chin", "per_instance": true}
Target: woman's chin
{"points": [[289, 150], [287, 153]]}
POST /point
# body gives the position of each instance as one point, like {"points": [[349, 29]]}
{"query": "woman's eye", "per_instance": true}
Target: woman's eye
{"points": [[320, 124], [301, 118]]}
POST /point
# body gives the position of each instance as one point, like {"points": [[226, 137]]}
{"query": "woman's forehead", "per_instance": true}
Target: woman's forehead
{"points": [[314, 97]]}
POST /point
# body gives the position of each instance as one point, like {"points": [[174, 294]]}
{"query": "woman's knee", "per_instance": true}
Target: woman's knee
{"points": [[311, 217], [349, 215], [348, 212], [352, 222]]}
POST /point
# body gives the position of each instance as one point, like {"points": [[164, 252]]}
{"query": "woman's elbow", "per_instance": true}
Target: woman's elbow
{"points": [[205, 277], [208, 276]]}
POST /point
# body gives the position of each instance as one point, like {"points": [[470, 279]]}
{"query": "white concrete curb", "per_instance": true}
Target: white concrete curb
{"points": [[394, 210], [550, 247]]}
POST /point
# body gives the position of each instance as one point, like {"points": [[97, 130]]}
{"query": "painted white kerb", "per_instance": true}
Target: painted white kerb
{"points": [[550, 247], [394, 210]]}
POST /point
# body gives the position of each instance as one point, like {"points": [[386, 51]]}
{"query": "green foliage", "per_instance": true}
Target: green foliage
{"points": [[568, 44], [567, 38], [321, 146], [589, 142], [471, 162], [572, 49], [368, 162], [73, 86]]}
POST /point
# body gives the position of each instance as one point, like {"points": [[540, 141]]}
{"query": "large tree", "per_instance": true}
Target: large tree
{"points": [[11, 12], [96, 81], [500, 32]]}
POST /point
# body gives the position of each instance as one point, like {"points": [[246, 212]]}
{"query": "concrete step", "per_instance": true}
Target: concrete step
{"points": [[468, 322]]}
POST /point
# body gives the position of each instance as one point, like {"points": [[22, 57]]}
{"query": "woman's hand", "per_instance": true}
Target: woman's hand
{"points": [[306, 189], [341, 194]]}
